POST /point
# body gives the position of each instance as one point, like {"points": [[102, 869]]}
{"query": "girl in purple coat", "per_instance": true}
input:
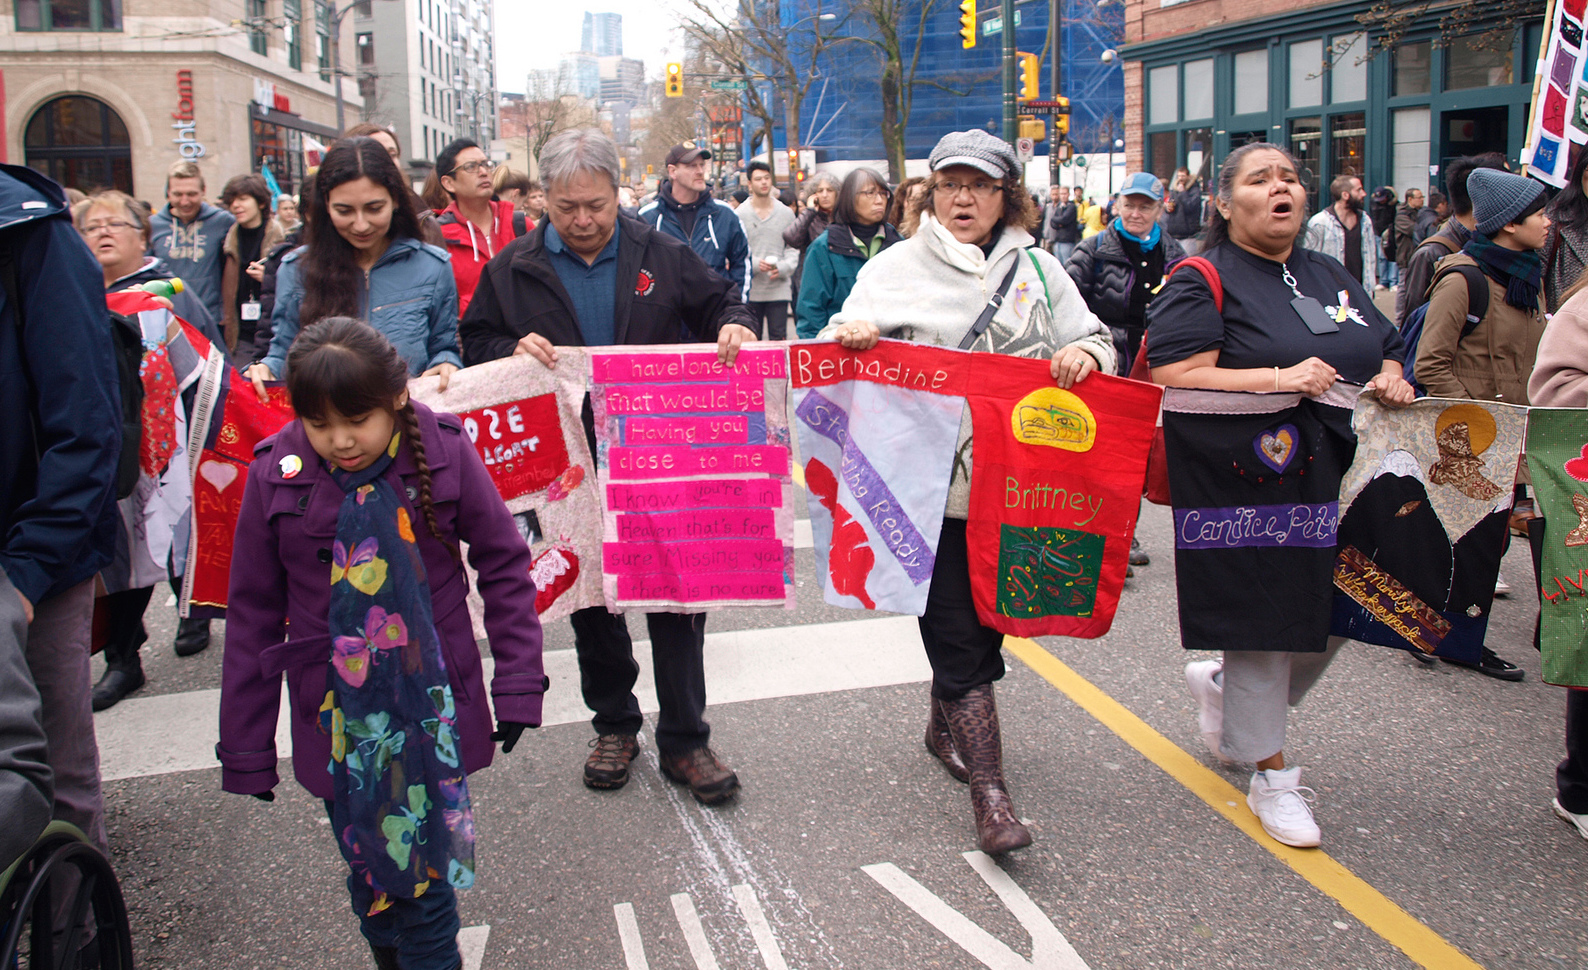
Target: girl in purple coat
{"points": [[349, 538]]}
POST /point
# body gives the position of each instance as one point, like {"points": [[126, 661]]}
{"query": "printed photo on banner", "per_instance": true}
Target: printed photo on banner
{"points": [[523, 420], [694, 470], [1055, 492], [1423, 517], [878, 433], [1557, 458]]}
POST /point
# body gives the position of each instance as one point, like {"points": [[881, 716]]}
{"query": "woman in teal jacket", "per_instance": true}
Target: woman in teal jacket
{"points": [[856, 234], [362, 258]]}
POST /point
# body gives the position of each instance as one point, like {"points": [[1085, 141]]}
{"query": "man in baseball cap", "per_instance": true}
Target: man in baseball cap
{"points": [[683, 208]]}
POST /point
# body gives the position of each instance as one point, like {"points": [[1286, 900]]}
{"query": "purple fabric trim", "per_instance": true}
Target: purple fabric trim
{"points": [[1258, 526]]}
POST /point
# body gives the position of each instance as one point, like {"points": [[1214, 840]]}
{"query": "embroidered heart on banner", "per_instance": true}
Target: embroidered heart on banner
{"points": [[1578, 467], [1276, 447], [218, 473]]}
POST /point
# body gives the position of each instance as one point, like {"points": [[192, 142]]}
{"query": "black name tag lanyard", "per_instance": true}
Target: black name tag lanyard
{"points": [[1308, 309]]}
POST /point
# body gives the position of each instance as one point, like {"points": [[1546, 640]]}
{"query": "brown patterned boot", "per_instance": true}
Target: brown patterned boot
{"points": [[973, 720], [941, 743]]}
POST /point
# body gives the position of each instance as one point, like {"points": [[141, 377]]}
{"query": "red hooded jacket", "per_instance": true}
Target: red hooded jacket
{"points": [[471, 249]]}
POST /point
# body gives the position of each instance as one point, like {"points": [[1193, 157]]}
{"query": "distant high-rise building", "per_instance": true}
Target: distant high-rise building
{"points": [[580, 74], [603, 34], [622, 79]]}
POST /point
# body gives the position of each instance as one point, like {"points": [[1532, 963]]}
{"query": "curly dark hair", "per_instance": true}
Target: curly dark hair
{"points": [[331, 277]]}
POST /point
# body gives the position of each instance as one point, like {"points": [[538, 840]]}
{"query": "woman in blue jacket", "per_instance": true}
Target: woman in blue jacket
{"points": [[834, 258], [362, 258]]}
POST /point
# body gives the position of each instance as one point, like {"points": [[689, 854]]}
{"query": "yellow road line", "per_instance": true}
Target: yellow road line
{"points": [[1376, 911]]}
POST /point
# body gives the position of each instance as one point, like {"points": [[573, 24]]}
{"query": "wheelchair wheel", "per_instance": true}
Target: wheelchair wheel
{"points": [[62, 908]]}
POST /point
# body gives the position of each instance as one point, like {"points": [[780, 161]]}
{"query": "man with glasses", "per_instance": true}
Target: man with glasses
{"points": [[764, 220], [475, 225], [684, 209], [589, 276]]}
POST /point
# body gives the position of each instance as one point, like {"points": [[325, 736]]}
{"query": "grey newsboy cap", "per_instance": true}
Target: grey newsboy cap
{"points": [[977, 149], [1500, 198]]}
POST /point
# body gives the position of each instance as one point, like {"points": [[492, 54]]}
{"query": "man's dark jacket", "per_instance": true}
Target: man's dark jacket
{"points": [[59, 393], [1186, 219], [1064, 225], [1105, 276], [666, 295]]}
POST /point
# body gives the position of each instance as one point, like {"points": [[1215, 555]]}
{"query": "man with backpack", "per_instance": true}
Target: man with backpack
{"points": [[58, 467], [1448, 239], [1486, 353]]}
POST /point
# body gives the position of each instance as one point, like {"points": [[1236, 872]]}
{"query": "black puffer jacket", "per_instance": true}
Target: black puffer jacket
{"points": [[267, 292], [1104, 275]]}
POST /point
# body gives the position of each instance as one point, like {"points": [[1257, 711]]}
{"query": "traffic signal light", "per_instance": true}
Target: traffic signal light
{"points": [[1033, 128], [1061, 122], [675, 80], [1029, 90], [967, 23], [794, 163]]}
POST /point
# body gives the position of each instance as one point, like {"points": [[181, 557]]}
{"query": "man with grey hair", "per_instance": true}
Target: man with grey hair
{"points": [[589, 276]]}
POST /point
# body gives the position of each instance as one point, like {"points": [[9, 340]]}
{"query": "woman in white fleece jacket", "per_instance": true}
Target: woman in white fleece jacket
{"points": [[930, 289]]}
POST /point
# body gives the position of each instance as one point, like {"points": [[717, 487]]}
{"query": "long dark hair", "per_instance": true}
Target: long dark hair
{"points": [[330, 269], [346, 365], [1218, 230], [1571, 205], [858, 179]]}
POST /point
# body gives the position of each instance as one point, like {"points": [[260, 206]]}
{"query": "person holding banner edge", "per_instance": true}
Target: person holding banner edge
{"points": [[1246, 345], [974, 222], [589, 276]]}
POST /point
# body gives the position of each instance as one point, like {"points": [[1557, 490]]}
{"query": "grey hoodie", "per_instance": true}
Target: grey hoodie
{"points": [[193, 251]]}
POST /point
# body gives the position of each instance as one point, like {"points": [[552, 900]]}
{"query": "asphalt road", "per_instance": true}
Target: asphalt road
{"points": [[848, 847]]}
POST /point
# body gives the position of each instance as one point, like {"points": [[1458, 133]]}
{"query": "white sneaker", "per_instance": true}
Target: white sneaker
{"points": [[1501, 587], [1199, 676], [1283, 807], [1579, 822]]}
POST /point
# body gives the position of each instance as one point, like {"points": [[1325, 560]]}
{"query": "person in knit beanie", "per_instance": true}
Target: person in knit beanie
{"points": [[1493, 359]]}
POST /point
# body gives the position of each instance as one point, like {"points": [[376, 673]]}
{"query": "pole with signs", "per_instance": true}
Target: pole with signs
{"points": [[1011, 125]]}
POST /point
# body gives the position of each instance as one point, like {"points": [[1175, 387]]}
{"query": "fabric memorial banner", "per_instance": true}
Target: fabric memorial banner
{"points": [[1255, 484], [1557, 458], [1559, 114], [524, 421], [878, 431], [695, 473], [1423, 517], [1055, 491], [227, 421]]}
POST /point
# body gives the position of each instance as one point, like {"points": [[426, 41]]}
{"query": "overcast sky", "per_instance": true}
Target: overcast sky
{"points": [[535, 34]]}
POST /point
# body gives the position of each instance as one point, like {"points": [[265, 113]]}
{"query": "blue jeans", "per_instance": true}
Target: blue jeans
{"points": [[1389, 274], [1063, 250], [423, 931]]}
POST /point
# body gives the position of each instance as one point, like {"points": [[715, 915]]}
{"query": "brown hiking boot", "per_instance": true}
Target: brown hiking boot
{"points": [[608, 764], [709, 780]]}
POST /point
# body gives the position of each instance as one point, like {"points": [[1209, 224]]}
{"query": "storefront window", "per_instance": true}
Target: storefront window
{"points": [[1409, 162], [68, 14], [1306, 143], [1163, 86], [1475, 62], [1251, 82], [1413, 69], [1161, 153], [281, 148], [1348, 73], [1306, 73], [1198, 157], [81, 143], [1347, 135], [1199, 88], [291, 32]]}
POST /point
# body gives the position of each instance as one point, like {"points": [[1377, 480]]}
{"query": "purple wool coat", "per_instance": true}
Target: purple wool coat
{"points": [[281, 581]]}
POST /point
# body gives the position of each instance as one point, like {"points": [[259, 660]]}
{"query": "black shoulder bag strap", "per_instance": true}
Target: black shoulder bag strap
{"points": [[980, 326]]}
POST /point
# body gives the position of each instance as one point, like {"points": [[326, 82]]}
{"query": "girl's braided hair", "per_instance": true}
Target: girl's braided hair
{"points": [[346, 365]]}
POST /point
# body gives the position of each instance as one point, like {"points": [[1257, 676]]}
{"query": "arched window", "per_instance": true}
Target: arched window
{"points": [[82, 144]]}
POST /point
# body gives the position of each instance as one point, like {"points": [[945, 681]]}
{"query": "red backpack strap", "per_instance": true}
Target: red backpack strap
{"points": [[1209, 273]]}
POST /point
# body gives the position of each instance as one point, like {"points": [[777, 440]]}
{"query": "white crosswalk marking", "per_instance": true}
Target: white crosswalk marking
{"points": [[177, 732], [1049, 949], [471, 942], [760, 929], [629, 936], [694, 933]]}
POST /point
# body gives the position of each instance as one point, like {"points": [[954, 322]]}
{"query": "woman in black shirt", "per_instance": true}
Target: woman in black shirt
{"points": [[1292, 321]]}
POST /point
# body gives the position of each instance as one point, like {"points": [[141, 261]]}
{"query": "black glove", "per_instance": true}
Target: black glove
{"points": [[265, 796], [508, 733]]}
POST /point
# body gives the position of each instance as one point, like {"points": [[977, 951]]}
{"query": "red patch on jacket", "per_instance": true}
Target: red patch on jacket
{"points": [[645, 284]]}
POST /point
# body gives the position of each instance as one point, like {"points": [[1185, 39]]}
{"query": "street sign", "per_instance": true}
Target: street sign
{"points": [[995, 25], [730, 84], [1044, 107], [1024, 150], [1080, 160]]}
